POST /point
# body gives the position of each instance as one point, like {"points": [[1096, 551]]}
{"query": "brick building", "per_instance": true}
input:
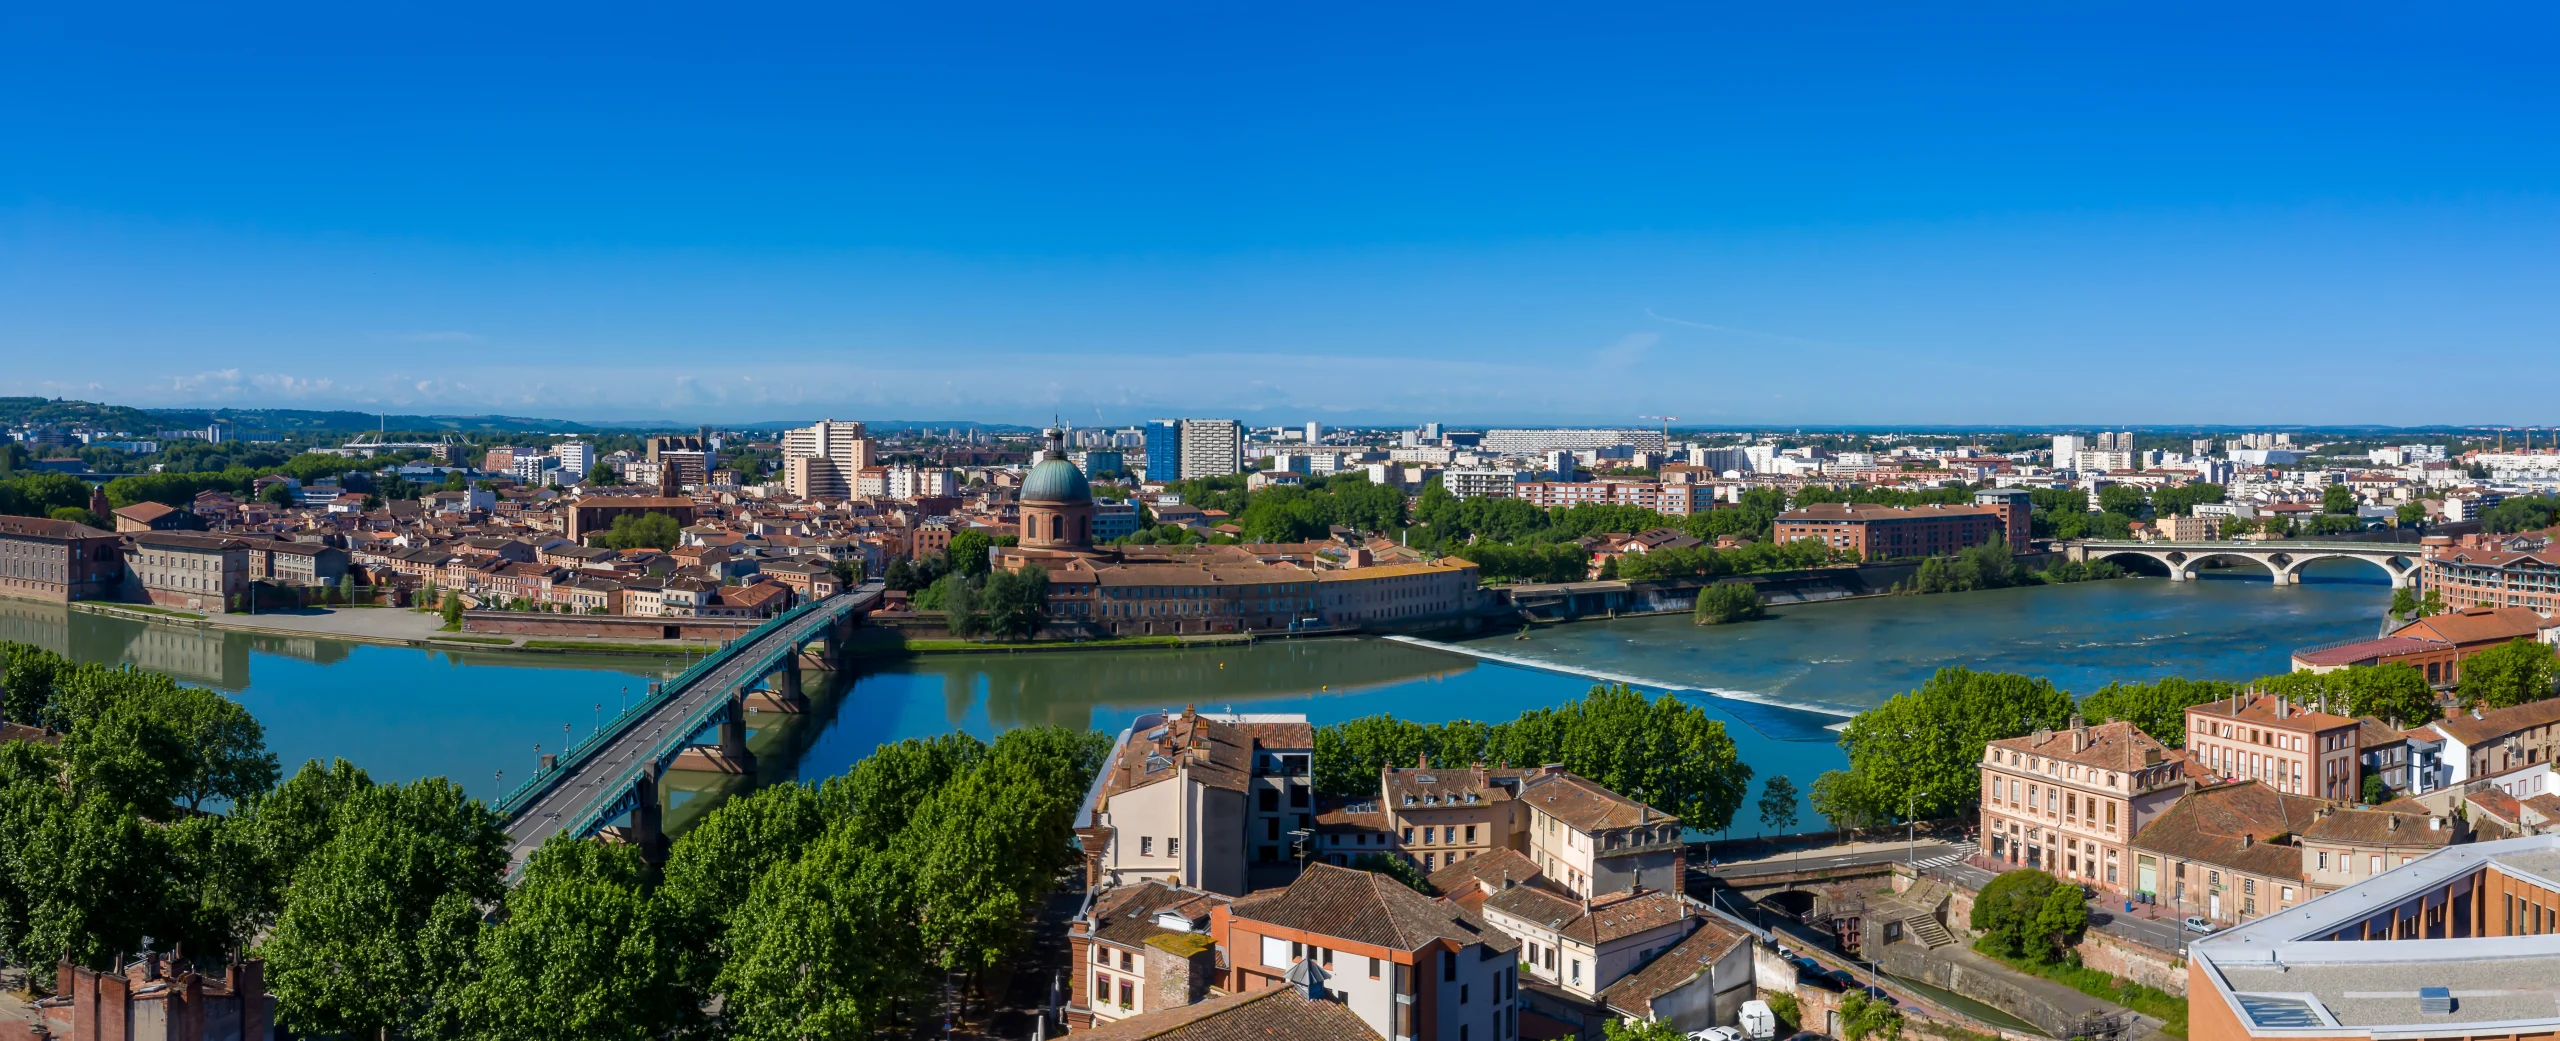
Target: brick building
{"points": [[57, 560], [1892, 532], [2518, 571], [1408, 965], [193, 572]]}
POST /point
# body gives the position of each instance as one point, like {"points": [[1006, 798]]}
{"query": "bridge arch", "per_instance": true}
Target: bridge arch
{"points": [[2400, 568], [2274, 562], [2159, 557]]}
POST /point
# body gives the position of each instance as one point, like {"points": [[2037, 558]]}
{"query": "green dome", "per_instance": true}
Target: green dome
{"points": [[1056, 480]]}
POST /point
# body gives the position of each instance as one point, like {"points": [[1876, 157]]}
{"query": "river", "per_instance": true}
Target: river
{"points": [[478, 717]]}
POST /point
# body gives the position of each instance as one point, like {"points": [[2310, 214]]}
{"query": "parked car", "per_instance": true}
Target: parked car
{"points": [[1875, 993], [1716, 1034], [2199, 923], [1818, 977]]}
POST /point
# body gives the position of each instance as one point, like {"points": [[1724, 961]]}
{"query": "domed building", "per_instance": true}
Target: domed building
{"points": [[1057, 502]]}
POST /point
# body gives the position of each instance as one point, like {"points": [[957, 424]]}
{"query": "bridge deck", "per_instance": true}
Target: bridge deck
{"points": [[2296, 547], [601, 769]]}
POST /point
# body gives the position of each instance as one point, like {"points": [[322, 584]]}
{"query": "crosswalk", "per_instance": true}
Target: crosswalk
{"points": [[1947, 859]]}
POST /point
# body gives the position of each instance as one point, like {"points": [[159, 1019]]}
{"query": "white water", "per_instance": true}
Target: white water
{"points": [[1632, 681]]}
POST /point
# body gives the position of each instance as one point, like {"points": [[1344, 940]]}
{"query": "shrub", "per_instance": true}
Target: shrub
{"points": [[2030, 915], [1729, 602]]}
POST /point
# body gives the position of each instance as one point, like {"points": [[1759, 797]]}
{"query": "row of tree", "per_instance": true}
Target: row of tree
{"points": [[799, 911], [1664, 752], [1005, 604]]}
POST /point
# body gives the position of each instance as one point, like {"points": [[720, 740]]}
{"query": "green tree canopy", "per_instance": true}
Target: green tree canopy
{"points": [[1727, 602], [968, 552], [1921, 752], [2159, 707], [643, 531], [577, 954], [2507, 675], [2028, 914]]}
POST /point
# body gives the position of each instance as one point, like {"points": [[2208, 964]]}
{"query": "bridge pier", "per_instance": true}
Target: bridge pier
{"points": [[648, 822], [731, 755]]}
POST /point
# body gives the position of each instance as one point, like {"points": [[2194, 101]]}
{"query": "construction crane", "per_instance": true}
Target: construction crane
{"points": [[1666, 429]]}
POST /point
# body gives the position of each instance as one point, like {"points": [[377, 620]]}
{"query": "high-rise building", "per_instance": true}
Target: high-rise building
{"points": [[1211, 448], [1163, 444], [845, 443], [1313, 432], [1533, 442], [576, 458], [814, 478], [2067, 449]]}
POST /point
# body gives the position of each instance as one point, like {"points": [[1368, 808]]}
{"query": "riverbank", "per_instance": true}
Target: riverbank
{"points": [[381, 627]]}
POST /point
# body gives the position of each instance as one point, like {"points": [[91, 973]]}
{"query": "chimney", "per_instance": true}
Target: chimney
{"points": [[2248, 840], [1423, 762], [2043, 734], [2394, 824], [2435, 823]]}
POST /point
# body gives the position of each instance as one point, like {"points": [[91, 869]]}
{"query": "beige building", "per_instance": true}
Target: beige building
{"points": [[1140, 948], [2224, 852], [814, 478], [2188, 528], [2071, 802], [1412, 967], [1194, 799], [194, 572], [2341, 847], [1386, 594], [2263, 737]]}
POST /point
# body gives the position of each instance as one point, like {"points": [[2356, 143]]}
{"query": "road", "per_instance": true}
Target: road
{"points": [[604, 773]]}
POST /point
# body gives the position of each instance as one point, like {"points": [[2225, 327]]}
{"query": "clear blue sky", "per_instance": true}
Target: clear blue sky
{"points": [[1766, 213]]}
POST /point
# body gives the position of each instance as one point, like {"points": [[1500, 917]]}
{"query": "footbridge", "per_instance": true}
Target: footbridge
{"points": [[2282, 558], [614, 773]]}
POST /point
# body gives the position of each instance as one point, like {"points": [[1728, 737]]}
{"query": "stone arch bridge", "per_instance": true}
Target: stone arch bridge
{"points": [[2283, 558]]}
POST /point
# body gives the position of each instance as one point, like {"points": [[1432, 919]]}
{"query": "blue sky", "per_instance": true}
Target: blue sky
{"points": [[2040, 214]]}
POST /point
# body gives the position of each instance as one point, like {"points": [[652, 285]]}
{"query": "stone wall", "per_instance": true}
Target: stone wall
{"points": [[1956, 973], [607, 626], [2140, 963]]}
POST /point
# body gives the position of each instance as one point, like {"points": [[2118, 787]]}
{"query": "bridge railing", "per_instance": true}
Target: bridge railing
{"points": [[668, 690]]}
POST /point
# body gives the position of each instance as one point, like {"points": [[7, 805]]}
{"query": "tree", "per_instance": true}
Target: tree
{"points": [[377, 924], [2123, 499], [1863, 1017], [2028, 914], [2338, 499], [2510, 674], [2409, 515], [1922, 751], [2396, 692], [26, 682], [578, 953], [1778, 804], [1727, 602], [1397, 868], [603, 475], [277, 494], [1620, 1029], [968, 552], [1844, 798], [1016, 602], [76, 515], [226, 755], [2376, 790], [644, 531], [453, 610], [2159, 708], [824, 946]]}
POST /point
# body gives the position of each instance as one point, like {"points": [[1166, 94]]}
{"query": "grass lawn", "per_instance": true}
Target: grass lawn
{"points": [[471, 639], [148, 609], [2169, 1009]]}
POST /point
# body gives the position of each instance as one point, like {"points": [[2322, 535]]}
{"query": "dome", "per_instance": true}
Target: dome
{"points": [[1056, 480]]}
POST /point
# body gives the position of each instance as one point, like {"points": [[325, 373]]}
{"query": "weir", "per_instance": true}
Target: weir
{"points": [[615, 772], [1632, 681]]}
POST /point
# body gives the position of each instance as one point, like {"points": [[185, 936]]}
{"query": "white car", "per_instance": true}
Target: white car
{"points": [[1716, 1034], [2199, 923]]}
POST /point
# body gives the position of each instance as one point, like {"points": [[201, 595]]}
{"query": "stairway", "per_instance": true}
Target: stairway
{"points": [[1927, 932], [1928, 898]]}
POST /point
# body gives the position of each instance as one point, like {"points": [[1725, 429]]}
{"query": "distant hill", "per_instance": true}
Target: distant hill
{"points": [[54, 412]]}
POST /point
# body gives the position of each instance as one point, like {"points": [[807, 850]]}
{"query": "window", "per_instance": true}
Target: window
{"points": [[1146, 845], [2324, 860], [1128, 961], [1408, 836], [1449, 835], [1577, 970], [1275, 952], [1373, 968], [1449, 966], [2373, 865], [1471, 834], [1462, 993], [1173, 847]]}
